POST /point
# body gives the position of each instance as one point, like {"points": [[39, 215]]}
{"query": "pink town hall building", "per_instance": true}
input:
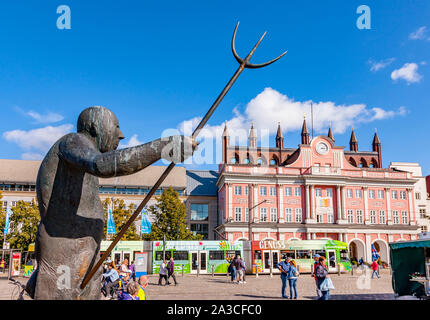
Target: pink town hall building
{"points": [[316, 191]]}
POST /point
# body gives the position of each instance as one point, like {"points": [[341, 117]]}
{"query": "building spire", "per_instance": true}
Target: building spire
{"points": [[305, 133], [330, 133], [353, 143], [225, 132], [225, 143], [252, 139], [376, 141], [279, 137], [376, 147]]}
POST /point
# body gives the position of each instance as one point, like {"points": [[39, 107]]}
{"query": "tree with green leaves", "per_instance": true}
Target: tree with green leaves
{"points": [[170, 218], [120, 214], [24, 222]]}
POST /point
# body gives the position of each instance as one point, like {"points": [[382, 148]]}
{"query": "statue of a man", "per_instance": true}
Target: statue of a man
{"points": [[72, 214]]}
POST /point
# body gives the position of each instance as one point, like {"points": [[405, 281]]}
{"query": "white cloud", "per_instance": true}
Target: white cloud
{"points": [[380, 114], [270, 107], [49, 117], [419, 34], [409, 73], [40, 139], [378, 65], [131, 143]]}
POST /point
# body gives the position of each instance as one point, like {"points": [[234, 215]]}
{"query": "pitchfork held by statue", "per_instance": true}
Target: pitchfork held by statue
{"points": [[244, 63]]}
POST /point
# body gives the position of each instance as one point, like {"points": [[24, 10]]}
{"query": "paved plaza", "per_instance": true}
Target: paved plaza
{"points": [[219, 287]]}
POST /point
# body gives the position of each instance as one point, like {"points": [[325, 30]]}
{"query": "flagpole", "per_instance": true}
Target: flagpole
{"points": [[4, 236]]}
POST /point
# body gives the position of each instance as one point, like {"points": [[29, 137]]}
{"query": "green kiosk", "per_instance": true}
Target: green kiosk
{"points": [[410, 262]]}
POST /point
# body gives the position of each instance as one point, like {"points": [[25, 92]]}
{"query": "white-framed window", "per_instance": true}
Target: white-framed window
{"points": [[237, 190], [288, 215], [417, 196], [424, 229], [371, 194], [359, 214], [393, 194], [246, 214], [330, 217], [273, 191], [238, 214], [299, 215], [422, 213], [358, 193], [318, 192], [373, 216], [263, 191], [396, 219], [382, 217], [246, 190], [381, 194], [273, 214], [319, 218], [349, 193], [298, 192], [263, 214], [329, 193], [403, 195], [405, 219], [350, 216], [288, 192]]}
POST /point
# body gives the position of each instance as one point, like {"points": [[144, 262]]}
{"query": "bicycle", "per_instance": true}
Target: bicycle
{"points": [[19, 290]]}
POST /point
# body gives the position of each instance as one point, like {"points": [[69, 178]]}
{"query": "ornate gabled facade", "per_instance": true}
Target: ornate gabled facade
{"points": [[315, 191]]}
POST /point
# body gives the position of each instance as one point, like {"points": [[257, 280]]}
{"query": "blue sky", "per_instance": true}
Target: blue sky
{"points": [[157, 64]]}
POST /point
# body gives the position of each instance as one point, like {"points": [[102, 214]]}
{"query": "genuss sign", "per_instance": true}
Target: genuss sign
{"points": [[275, 244]]}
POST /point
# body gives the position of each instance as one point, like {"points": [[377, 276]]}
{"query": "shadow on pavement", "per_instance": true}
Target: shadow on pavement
{"points": [[373, 296], [253, 296]]}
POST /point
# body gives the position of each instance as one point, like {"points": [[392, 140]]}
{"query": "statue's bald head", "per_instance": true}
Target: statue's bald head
{"points": [[101, 124]]}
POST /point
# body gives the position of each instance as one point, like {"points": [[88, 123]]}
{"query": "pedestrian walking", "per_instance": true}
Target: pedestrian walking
{"points": [[316, 263], [240, 269], [321, 275], [375, 267], [284, 267], [133, 271], [163, 273], [232, 270], [292, 279], [361, 263], [171, 271]]}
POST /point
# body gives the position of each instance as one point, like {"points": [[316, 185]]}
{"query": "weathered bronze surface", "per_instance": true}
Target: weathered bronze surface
{"points": [[72, 215]]}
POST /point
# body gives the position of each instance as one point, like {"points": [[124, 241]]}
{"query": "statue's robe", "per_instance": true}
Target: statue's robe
{"points": [[72, 215]]}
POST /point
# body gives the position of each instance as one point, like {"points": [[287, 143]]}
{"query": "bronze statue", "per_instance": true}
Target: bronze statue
{"points": [[72, 214]]}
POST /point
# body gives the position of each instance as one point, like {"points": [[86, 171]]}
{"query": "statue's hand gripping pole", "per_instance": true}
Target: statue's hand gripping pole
{"points": [[244, 63]]}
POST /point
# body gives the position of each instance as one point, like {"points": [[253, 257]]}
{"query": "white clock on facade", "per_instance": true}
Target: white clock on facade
{"points": [[322, 148]]}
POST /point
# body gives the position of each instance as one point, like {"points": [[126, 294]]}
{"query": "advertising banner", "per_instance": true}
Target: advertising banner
{"points": [[16, 264]]}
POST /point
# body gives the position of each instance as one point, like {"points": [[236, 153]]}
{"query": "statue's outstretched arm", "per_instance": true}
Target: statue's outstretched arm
{"points": [[80, 151]]}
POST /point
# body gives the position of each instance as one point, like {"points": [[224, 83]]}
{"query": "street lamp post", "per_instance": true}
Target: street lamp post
{"points": [[250, 218]]}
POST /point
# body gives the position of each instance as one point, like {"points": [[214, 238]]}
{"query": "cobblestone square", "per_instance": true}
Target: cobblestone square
{"points": [[206, 287]]}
